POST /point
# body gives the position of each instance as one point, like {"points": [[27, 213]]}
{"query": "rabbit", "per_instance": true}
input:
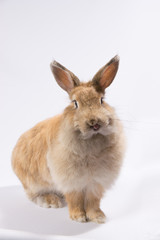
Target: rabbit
{"points": [[76, 156]]}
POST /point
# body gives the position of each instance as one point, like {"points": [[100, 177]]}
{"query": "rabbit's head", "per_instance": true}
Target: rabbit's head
{"points": [[88, 111]]}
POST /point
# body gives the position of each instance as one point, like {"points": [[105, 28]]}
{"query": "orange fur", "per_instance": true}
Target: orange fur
{"points": [[67, 156], [29, 154], [76, 206], [92, 206]]}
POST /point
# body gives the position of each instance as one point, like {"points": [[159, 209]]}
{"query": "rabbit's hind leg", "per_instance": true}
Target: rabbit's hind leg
{"points": [[47, 199]]}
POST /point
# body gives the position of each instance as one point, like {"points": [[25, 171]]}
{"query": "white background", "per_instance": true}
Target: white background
{"points": [[83, 35]]}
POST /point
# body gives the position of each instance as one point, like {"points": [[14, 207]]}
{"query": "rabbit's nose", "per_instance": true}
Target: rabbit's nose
{"points": [[92, 122]]}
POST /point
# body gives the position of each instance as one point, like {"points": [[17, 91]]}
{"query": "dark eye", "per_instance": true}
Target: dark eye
{"points": [[102, 100], [75, 103]]}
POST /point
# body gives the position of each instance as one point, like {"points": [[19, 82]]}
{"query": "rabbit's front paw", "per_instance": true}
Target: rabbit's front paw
{"points": [[96, 216], [79, 216]]}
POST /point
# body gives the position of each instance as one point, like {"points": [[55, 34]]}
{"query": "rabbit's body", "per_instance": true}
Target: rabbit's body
{"points": [[73, 156]]}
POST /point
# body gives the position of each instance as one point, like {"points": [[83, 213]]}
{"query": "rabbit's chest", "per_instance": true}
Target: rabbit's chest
{"points": [[71, 170], [88, 164], [77, 165]]}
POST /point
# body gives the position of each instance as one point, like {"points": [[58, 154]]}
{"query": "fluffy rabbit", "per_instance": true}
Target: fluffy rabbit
{"points": [[77, 155]]}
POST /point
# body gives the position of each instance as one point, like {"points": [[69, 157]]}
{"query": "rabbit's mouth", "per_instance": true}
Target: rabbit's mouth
{"points": [[95, 127], [102, 128]]}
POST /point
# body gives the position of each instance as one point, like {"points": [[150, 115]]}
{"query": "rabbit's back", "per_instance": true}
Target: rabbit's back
{"points": [[29, 154]]}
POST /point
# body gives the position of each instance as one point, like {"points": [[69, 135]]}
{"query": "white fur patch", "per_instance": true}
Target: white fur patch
{"points": [[40, 200], [99, 220]]}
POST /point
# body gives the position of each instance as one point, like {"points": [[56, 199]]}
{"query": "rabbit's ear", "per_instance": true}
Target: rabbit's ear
{"points": [[65, 78], [106, 74]]}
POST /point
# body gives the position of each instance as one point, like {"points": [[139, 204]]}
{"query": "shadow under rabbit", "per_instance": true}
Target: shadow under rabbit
{"points": [[18, 213]]}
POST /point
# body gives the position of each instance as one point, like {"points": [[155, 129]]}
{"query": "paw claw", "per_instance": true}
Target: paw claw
{"points": [[99, 220], [96, 216], [49, 201], [79, 217]]}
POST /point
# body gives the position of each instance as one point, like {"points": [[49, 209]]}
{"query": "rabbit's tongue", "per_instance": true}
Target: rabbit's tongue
{"points": [[96, 127]]}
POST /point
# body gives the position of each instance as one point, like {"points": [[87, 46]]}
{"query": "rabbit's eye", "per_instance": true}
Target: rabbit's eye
{"points": [[102, 98], [75, 103]]}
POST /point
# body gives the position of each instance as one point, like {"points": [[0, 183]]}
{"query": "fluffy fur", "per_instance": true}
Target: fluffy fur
{"points": [[65, 157]]}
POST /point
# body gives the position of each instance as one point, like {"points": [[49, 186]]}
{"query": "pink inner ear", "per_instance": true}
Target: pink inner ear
{"points": [[108, 75], [63, 78]]}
